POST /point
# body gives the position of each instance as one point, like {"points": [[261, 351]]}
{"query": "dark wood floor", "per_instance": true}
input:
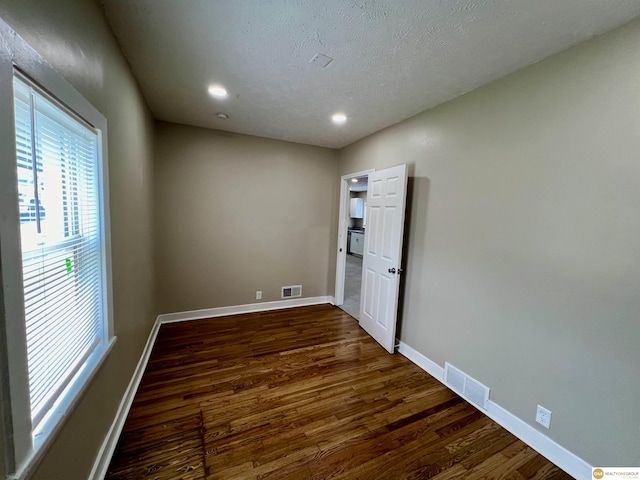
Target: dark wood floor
{"points": [[304, 393]]}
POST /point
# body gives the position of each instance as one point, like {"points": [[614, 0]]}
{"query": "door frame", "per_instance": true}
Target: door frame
{"points": [[343, 216]]}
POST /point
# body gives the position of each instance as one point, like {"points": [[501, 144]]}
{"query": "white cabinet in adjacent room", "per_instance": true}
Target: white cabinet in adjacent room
{"points": [[357, 243], [356, 208]]}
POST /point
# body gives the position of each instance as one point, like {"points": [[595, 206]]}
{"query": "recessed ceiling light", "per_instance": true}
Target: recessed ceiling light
{"points": [[218, 91], [339, 118], [354, 180], [222, 115]]}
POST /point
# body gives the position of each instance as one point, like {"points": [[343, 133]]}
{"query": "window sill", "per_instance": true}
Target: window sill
{"points": [[44, 436]]}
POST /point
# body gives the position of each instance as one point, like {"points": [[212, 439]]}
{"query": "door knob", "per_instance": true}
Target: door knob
{"points": [[392, 270]]}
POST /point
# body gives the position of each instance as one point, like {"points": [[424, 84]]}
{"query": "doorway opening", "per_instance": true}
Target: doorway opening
{"points": [[382, 250], [352, 232]]}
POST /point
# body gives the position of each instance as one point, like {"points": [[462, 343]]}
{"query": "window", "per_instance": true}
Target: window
{"points": [[56, 325], [57, 170]]}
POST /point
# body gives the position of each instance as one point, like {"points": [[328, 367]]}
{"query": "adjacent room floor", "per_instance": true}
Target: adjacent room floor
{"points": [[304, 393], [352, 283]]}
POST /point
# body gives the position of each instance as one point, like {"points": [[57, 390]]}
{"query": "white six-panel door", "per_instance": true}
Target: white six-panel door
{"points": [[382, 257]]}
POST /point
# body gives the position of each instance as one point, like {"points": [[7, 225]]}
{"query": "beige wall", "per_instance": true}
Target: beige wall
{"points": [[523, 264], [236, 214], [75, 39]]}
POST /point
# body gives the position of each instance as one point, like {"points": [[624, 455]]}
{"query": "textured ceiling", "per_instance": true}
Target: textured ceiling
{"points": [[391, 59]]}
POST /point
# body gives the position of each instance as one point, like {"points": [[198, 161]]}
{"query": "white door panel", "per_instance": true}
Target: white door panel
{"points": [[382, 259]]}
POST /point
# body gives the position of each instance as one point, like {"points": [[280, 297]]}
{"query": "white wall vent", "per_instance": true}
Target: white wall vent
{"points": [[466, 386], [454, 378], [291, 292]]}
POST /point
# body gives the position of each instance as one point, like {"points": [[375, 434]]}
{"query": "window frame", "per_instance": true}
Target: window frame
{"points": [[23, 447]]}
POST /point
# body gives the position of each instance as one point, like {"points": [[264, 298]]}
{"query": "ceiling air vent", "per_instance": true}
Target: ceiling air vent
{"points": [[291, 292], [320, 60], [468, 387]]}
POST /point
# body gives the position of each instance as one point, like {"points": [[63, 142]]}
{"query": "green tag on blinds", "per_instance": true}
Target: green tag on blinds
{"points": [[68, 263]]}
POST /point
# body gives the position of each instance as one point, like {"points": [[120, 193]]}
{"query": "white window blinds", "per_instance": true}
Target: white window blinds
{"points": [[60, 226]]}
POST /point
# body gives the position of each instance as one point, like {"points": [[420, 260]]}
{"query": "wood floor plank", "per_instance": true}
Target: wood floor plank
{"points": [[304, 393]]}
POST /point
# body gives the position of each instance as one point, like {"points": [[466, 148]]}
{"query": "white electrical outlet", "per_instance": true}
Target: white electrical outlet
{"points": [[259, 295], [543, 417]]}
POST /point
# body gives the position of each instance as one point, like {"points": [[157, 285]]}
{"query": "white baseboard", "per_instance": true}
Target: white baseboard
{"points": [[553, 451], [239, 309], [99, 470], [556, 453], [100, 466], [428, 365]]}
